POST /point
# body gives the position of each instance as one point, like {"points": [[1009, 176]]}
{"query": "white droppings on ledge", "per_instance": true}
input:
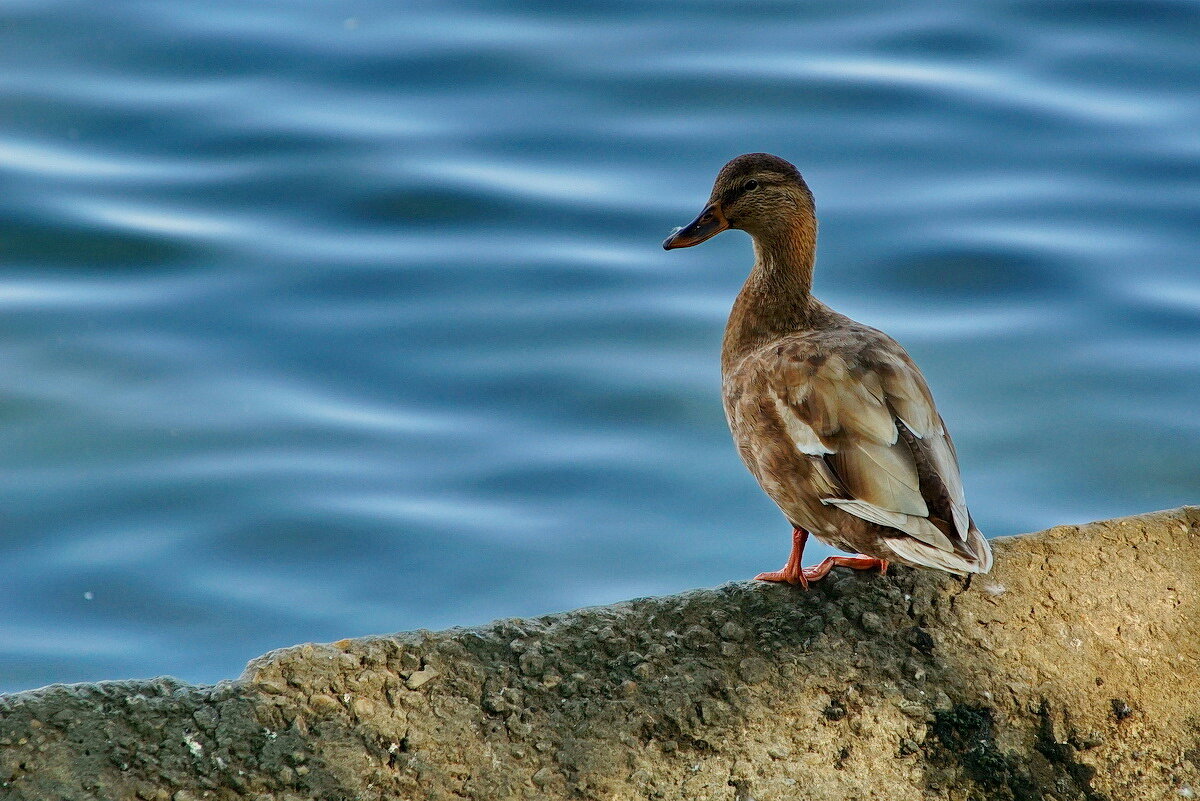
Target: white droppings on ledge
{"points": [[193, 744]]}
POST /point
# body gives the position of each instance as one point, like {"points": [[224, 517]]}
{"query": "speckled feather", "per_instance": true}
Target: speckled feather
{"points": [[838, 426]]}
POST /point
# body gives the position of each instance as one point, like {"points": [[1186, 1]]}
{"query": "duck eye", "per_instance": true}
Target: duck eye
{"points": [[751, 184]]}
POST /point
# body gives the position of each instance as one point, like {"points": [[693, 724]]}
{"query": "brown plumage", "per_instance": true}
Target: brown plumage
{"points": [[831, 416]]}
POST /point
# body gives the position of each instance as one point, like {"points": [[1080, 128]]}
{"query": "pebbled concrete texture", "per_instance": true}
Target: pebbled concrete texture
{"points": [[1070, 672]]}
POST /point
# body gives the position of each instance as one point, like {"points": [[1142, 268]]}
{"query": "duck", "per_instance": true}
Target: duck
{"points": [[832, 417]]}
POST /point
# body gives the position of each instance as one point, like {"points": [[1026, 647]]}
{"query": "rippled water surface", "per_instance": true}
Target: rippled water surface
{"points": [[327, 319]]}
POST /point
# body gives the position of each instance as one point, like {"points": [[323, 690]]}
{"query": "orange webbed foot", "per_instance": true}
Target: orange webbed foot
{"points": [[794, 573], [858, 562], [785, 575]]}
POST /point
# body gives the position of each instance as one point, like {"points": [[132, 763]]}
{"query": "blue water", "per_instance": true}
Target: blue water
{"points": [[327, 319]]}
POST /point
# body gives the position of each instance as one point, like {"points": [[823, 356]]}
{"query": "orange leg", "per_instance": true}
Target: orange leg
{"points": [[857, 562], [794, 573]]}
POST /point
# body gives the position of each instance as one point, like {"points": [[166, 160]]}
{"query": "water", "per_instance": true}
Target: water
{"points": [[321, 320]]}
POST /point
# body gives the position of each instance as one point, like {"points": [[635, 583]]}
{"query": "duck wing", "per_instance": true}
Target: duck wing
{"points": [[860, 406]]}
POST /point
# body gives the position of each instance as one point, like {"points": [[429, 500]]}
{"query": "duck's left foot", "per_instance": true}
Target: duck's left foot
{"points": [[793, 572], [859, 562]]}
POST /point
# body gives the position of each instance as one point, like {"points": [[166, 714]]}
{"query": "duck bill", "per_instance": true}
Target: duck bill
{"points": [[710, 223]]}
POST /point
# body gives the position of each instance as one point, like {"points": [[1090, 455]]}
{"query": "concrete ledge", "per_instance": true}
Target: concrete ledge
{"points": [[1071, 672]]}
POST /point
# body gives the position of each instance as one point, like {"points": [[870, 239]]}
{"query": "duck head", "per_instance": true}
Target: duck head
{"points": [[758, 193]]}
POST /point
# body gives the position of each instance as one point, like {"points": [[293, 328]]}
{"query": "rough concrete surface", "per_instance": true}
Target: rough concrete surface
{"points": [[1070, 672]]}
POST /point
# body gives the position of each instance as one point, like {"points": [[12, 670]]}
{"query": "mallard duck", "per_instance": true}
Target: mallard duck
{"points": [[831, 416]]}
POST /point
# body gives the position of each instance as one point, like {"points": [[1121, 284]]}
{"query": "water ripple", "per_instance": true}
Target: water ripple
{"points": [[325, 320]]}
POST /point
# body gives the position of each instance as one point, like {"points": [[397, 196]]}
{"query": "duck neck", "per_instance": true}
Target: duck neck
{"points": [[777, 296]]}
